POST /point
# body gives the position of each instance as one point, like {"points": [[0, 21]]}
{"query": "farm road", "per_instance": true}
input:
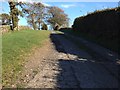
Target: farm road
{"points": [[68, 66]]}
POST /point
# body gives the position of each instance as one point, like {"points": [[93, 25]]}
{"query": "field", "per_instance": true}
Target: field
{"points": [[16, 46]]}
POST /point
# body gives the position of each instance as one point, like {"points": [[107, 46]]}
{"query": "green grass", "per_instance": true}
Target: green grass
{"points": [[15, 47]]}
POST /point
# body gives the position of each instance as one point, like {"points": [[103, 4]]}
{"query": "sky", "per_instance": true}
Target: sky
{"points": [[72, 9]]}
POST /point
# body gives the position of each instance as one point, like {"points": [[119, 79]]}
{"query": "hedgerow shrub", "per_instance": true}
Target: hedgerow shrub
{"points": [[104, 24]]}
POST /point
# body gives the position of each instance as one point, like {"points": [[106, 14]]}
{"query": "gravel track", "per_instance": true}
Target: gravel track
{"points": [[68, 66]]}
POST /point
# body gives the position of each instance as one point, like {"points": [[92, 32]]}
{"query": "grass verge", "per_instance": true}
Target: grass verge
{"points": [[15, 47]]}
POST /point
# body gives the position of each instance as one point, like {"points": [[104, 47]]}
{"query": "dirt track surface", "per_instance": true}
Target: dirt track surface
{"points": [[62, 64]]}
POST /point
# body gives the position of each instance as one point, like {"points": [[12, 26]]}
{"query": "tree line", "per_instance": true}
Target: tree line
{"points": [[38, 15]]}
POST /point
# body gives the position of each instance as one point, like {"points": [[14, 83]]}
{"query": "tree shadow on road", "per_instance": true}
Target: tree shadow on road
{"points": [[60, 48], [57, 43], [72, 71], [84, 74]]}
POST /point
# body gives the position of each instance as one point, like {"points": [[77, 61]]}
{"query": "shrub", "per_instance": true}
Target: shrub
{"points": [[44, 26], [102, 24]]}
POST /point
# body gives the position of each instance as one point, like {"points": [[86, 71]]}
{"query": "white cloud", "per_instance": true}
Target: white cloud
{"points": [[22, 0], [68, 5], [46, 4]]}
